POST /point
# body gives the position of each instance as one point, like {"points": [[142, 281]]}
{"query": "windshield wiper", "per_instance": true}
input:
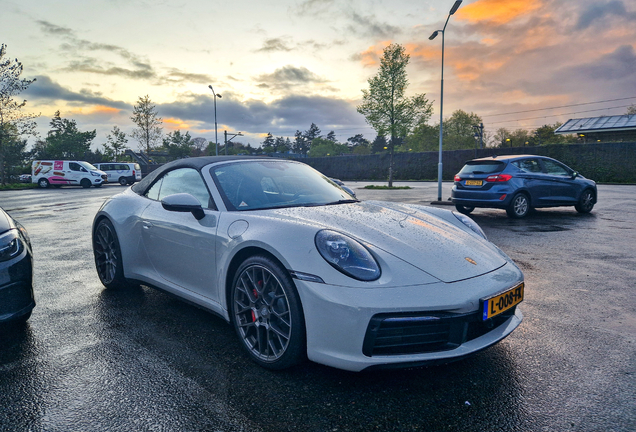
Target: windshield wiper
{"points": [[343, 201]]}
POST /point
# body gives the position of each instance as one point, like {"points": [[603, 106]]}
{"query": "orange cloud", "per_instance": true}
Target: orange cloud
{"points": [[425, 51], [98, 109], [497, 11], [371, 56], [174, 124]]}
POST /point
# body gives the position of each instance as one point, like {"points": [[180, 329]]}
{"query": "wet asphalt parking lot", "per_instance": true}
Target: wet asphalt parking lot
{"points": [[141, 360]]}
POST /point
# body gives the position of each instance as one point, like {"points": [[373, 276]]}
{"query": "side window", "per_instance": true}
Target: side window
{"points": [[73, 166], [554, 168], [528, 165], [183, 180], [153, 192]]}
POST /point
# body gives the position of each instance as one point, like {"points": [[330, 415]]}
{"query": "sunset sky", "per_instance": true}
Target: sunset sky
{"points": [[281, 65]]}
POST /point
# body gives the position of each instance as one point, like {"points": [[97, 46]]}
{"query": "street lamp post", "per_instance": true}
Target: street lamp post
{"points": [[441, 100], [216, 138]]}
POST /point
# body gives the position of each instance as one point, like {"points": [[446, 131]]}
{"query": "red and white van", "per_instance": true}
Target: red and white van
{"points": [[64, 172]]}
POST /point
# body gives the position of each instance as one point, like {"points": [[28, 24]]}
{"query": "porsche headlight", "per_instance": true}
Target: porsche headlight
{"points": [[470, 224], [10, 246], [347, 255]]}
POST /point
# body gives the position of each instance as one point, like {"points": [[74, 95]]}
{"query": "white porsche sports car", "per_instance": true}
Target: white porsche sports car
{"points": [[302, 269]]}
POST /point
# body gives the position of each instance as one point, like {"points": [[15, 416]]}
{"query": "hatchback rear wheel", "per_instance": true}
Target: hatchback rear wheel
{"points": [[519, 206], [464, 209]]}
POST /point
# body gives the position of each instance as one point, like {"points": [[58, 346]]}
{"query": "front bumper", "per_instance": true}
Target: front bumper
{"points": [[340, 320], [16, 288]]}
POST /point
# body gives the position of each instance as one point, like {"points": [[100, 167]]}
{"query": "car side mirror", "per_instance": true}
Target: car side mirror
{"points": [[183, 202], [574, 175]]}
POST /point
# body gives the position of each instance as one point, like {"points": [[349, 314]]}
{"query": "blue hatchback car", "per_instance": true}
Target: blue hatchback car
{"points": [[520, 183]]}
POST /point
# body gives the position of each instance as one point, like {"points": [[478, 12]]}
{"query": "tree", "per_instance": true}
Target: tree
{"points": [[300, 145], [331, 136], [308, 136], [148, 131], [379, 144], [385, 105], [177, 145], [115, 143], [423, 138], [458, 130], [269, 143], [65, 141], [321, 147], [13, 122], [282, 145], [631, 110]]}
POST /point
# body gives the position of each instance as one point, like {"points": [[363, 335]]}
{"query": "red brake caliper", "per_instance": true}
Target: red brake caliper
{"points": [[260, 284]]}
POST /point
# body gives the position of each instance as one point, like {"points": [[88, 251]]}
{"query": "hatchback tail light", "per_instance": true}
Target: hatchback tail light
{"points": [[457, 178], [498, 178]]}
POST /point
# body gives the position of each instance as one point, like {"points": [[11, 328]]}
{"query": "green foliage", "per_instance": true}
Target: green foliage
{"points": [[178, 145], [115, 144], [148, 131], [14, 124], [65, 141], [385, 106], [424, 138], [321, 147], [459, 132]]}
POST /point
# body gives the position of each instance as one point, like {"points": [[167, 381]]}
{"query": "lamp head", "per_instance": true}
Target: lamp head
{"points": [[434, 35], [455, 7]]}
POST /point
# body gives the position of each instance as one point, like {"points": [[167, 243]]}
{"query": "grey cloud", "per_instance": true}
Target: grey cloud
{"points": [[369, 26], [46, 89], [281, 117], [53, 29], [275, 44], [288, 77], [180, 76], [597, 12], [314, 7]]}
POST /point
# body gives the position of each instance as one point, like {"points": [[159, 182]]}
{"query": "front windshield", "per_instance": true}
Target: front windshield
{"points": [[262, 184], [88, 166]]}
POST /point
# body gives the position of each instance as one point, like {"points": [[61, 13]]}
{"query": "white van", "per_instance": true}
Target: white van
{"points": [[63, 172], [121, 172]]}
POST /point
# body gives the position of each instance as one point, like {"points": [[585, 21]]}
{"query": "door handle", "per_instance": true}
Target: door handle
{"points": [[146, 225]]}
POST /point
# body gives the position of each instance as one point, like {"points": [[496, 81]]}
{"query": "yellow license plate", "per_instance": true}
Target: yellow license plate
{"points": [[474, 182], [495, 305]]}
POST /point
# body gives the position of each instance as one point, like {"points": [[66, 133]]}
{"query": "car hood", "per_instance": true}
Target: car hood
{"points": [[435, 246]]}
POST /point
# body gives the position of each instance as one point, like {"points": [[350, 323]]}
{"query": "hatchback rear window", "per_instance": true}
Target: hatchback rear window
{"points": [[482, 167]]}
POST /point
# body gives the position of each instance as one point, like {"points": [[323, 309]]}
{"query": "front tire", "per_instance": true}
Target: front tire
{"points": [[464, 209], [519, 206], [267, 314], [107, 253], [43, 183], [85, 183], [586, 202]]}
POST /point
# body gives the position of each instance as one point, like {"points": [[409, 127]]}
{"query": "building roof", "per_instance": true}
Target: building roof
{"points": [[598, 124]]}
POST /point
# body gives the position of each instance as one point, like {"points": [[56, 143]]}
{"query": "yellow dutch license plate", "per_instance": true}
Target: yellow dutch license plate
{"points": [[495, 305], [474, 182]]}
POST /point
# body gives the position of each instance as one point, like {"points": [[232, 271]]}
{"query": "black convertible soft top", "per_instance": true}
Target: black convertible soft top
{"points": [[195, 162]]}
